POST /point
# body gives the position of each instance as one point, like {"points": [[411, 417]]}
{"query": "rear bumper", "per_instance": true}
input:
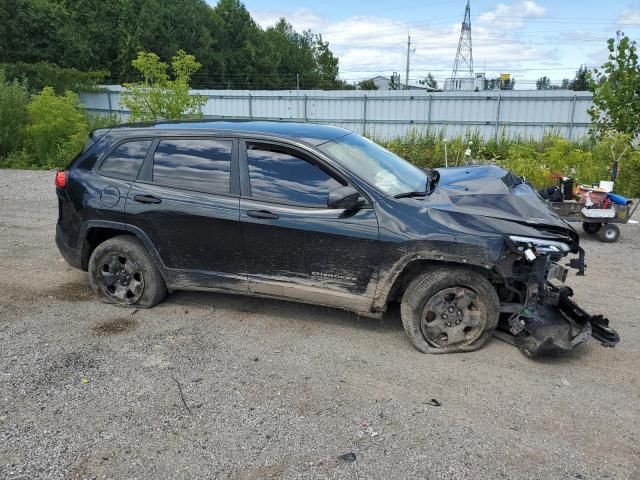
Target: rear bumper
{"points": [[71, 255]]}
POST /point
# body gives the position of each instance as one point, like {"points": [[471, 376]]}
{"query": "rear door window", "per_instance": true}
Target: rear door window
{"points": [[125, 161], [198, 164], [283, 176]]}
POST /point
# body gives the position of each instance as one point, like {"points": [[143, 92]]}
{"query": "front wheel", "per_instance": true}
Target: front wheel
{"points": [[450, 309], [122, 272]]}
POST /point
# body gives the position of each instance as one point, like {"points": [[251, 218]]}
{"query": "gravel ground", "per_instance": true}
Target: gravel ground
{"points": [[217, 386]]}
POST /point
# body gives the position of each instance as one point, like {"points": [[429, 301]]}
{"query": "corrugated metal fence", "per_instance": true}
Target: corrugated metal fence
{"points": [[390, 114]]}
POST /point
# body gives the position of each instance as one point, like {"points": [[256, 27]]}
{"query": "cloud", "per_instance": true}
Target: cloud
{"points": [[370, 45], [630, 17], [511, 16]]}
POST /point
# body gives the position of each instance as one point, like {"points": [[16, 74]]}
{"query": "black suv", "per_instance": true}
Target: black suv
{"points": [[322, 215]]}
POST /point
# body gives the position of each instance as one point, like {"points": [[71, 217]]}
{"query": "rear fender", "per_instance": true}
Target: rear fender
{"points": [[125, 229]]}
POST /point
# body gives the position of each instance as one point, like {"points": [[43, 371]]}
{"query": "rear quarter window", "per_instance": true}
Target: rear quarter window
{"points": [[125, 161]]}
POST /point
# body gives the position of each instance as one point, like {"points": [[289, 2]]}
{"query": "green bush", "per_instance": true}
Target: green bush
{"points": [[45, 131], [541, 162], [628, 181], [57, 129], [18, 159], [38, 75], [102, 120], [13, 115]]}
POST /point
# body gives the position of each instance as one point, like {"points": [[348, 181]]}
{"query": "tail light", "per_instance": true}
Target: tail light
{"points": [[61, 179]]}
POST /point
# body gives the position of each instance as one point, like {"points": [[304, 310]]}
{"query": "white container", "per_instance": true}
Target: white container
{"points": [[606, 186], [598, 212]]}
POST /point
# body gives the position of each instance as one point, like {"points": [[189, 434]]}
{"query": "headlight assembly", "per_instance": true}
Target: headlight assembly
{"points": [[542, 245], [532, 247]]}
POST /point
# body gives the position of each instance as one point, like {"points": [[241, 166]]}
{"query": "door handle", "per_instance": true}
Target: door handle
{"points": [[146, 199], [262, 214]]}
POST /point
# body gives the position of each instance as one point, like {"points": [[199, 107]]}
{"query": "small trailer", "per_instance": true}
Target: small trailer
{"points": [[597, 221]]}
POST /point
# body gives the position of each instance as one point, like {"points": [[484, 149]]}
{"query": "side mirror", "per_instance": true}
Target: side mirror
{"points": [[346, 198]]}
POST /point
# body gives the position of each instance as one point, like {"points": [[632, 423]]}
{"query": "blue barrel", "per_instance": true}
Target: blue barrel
{"points": [[619, 199]]}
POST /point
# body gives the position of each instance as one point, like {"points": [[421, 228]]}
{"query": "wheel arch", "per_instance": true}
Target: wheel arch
{"points": [[396, 283], [95, 232]]}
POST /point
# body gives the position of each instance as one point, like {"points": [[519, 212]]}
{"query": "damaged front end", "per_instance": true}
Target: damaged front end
{"points": [[536, 311]]}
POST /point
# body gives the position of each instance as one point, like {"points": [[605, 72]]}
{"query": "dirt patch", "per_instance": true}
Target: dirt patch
{"points": [[74, 291], [115, 326]]}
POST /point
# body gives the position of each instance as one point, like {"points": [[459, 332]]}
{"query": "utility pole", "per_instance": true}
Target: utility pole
{"points": [[406, 78], [297, 81]]}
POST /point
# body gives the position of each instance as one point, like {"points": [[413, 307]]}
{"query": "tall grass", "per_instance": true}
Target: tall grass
{"points": [[541, 162]]}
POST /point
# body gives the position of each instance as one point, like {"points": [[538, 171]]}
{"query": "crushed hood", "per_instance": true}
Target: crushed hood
{"points": [[491, 191]]}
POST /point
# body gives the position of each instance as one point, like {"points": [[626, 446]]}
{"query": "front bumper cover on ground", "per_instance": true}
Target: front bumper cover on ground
{"points": [[558, 329]]}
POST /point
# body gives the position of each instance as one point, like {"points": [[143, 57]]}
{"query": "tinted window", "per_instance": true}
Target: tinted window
{"points": [[203, 165], [282, 177], [125, 161]]}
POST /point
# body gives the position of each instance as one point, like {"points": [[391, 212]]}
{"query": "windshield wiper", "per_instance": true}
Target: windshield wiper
{"points": [[410, 195], [427, 190]]}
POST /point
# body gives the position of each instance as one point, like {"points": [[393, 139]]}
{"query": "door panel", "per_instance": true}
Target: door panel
{"points": [[306, 252], [197, 233], [191, 230], [311, 247]]}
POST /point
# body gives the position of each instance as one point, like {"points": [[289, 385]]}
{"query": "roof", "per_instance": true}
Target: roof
{"points": [[307, 132]]}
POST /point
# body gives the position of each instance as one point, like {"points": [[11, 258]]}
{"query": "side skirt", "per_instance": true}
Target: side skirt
{"points": [[292, 292]]}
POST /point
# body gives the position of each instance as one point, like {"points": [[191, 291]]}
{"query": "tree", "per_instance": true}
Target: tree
{"points": [[326, 62], [159, 97], [98, 35], [429, 81], [543, 83], [499, 84], [615, 87], [367, 85], [508, 84], [13, 114], [164, 27], [581, 80]]}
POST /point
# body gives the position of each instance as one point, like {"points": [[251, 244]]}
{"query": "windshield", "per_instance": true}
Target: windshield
{"points": [[376, 165]]}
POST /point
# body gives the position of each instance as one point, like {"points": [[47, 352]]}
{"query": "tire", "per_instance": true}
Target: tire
{"points": [[609, 233], [591, 228], [122, 272], [433, 307]]}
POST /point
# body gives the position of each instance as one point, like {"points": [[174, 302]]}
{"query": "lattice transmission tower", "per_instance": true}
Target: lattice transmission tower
{"points": [[463, 66]]}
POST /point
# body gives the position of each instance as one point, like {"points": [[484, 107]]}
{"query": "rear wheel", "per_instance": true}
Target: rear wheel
{"points": [[449, 309], [609, 233], [591, 228], [122, 272]]}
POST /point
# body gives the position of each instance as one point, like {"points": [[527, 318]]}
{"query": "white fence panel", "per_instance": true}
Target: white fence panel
{"points": [[389, 114]]}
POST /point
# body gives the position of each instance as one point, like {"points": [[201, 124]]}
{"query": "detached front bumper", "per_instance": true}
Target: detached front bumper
{"points": [[549, 322], [557, 329]]}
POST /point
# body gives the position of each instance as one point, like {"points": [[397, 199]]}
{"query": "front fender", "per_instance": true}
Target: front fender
{"points": [[478, 252]]}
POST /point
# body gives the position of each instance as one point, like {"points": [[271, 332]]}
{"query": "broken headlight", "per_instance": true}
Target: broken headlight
{"points": [[532, 247]]}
